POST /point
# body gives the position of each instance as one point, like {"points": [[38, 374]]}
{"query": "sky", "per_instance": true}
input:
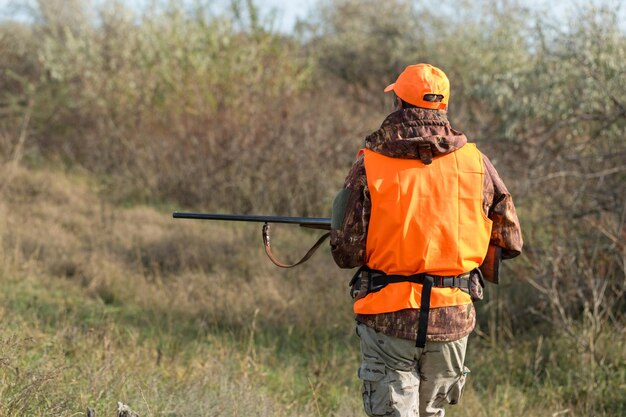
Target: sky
{"points": [[286, 12]]}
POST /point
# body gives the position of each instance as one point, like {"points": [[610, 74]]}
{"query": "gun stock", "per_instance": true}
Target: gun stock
{"points": [[491, 265]]}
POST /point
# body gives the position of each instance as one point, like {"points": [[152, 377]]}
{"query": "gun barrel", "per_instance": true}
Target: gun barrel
{"points": [[310, 222]]}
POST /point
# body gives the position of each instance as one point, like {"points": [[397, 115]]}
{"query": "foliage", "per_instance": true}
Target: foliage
{"points": [[108, 114]]}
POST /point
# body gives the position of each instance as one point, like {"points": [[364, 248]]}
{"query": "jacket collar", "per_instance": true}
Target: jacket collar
{"points": [[404, 133]]}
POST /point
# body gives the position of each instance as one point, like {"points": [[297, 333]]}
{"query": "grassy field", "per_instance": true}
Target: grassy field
{"points": [[105, 303]]}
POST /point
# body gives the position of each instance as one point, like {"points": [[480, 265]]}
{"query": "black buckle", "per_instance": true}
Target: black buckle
{"points": [[371, 277], [438, 280]]}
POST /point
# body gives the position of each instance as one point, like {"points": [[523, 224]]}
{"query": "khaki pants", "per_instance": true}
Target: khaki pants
{"points": [[401, 380]]}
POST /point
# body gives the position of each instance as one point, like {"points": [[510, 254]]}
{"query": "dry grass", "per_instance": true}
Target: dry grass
{"points": [[140, 305], [104, 303], [60, 227]]}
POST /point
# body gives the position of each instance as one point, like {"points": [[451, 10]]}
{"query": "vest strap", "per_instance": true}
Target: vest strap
{"points": [[422, 324]]}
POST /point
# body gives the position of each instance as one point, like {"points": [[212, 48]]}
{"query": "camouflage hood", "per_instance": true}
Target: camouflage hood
{"points": [[406, 131]]}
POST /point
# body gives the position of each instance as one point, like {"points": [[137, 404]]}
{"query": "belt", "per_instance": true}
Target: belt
{"points": [[377, 280]]}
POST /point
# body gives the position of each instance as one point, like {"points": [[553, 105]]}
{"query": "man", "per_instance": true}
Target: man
{"points": [[420, 210]]}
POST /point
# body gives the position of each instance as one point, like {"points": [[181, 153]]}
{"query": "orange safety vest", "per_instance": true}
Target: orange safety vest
{"points": [[424, 219]]}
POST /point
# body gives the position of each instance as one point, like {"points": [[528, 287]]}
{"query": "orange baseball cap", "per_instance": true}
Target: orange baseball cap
{"points": [[418, 80]]}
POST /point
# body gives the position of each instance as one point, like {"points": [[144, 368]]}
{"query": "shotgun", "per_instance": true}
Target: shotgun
{"points": [[321, 223]]}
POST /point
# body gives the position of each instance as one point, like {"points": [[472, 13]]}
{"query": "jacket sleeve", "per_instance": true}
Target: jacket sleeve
{"points": [[498, 204], [350, 218]]}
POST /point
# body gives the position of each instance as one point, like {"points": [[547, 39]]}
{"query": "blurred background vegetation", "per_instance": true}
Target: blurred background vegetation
{"points": [[111, 116]]}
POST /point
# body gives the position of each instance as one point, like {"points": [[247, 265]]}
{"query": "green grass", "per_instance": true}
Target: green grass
{"points": [[102, 304], [63, 351]]}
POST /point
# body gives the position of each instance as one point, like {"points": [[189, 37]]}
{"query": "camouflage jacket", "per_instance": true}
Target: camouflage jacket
{"points": [[400, 136]]}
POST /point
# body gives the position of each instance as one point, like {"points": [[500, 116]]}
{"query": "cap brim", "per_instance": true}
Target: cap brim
{"points": [[389, 87]]}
